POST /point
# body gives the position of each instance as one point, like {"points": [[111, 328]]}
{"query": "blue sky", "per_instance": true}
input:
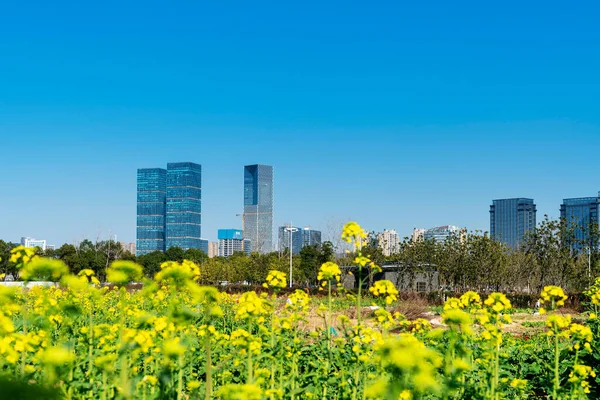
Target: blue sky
{"points": [[396, 115]]}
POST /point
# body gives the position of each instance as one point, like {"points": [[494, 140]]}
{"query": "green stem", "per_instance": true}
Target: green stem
{"points": [[249, 379], [180, 378], [556, 374], [358, 313], [208, 370]]}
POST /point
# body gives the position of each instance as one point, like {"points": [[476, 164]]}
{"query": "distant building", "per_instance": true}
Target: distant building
{"points": [[151, 210], [203, 245], [417, 234], [310, 237], [50, 247], [441, 233], [511, 219], [581, 212], [288, 232], [247, 247], [31, 242], [184, 198], [213, 249], [388, 241], [169, 208], [230, 241], [258, 207], [301, 237], [130, 247]]}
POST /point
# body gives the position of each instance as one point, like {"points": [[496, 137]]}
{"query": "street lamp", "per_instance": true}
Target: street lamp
{"points": [[291, 230]]}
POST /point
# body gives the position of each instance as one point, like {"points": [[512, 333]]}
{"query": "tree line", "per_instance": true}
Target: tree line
{"points": [[549, 255]]}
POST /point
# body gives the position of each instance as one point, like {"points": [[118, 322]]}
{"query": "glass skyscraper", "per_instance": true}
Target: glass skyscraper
{"points": [[511, 219], [300, 238], [258, 207], [169, 208], [184, 194], [151, 197], [581, 212]]}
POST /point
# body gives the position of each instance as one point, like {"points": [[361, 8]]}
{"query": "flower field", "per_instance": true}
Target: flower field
{"points": [[175, 339]]}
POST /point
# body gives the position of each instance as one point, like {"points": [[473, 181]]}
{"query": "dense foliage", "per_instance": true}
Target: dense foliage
{"points": [[177, 339]]}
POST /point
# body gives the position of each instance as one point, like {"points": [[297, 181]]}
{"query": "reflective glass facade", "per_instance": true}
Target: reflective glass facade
{"points": [[258, 207], [581, 212], [300, 238], [511, 219], [151, 204], [183, 206], [441, 233]]}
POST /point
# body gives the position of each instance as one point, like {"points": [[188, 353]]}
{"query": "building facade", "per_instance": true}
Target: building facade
{"points": [[417, 234], [310, 237], [213, 249], [31, 242], [184, 206], [169, 208], [258, 207], [300, 237], [441, 233], [230, 241], [388, 241], [511, 219], [151, 210], [583, 213]]}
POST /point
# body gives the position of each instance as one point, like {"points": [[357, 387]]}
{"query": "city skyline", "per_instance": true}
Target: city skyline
{"points": [[396, 116]]}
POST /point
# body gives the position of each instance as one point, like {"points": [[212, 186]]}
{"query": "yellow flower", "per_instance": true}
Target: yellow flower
{"points": [[518, 383], [497, 302], [44, 269], [353, 232], [552, 297], [57, 356], [275, 279], [123, 272], [329, 271], [385, 288], [250, 305], [240, 392]]}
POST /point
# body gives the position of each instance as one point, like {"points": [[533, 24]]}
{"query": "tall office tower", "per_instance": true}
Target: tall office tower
{"points": [[184, 194], [388, 241], [441, 233], [511, 219], [230, 241], [581, 212], [310, 237], [258, 207], [288, 232], [151, 206]]}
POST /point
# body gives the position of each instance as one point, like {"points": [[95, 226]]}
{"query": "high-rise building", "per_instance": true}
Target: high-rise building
{"points": [[213, 249], [130, 247], [258, 207], [151, 209], [31, 242], [301, 237], [417, 234], [388, 241], [169, 208], [583, 213], [184, 205], [310, 237], [288, 232], [511, 219], [441, 233], [230, 241], [247, 247]]}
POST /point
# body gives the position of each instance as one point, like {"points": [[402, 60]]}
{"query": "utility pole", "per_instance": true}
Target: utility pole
{"points": [[291, 231]]}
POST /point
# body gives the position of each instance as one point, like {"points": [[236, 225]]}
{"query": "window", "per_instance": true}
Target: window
{"points": [[421, 286]]}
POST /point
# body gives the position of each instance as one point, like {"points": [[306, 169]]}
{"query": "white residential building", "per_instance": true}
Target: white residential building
{"points": [[388, 241], [31, 242]]}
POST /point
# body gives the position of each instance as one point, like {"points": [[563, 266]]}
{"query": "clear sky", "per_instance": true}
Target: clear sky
{"points": [[394, 115]]}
